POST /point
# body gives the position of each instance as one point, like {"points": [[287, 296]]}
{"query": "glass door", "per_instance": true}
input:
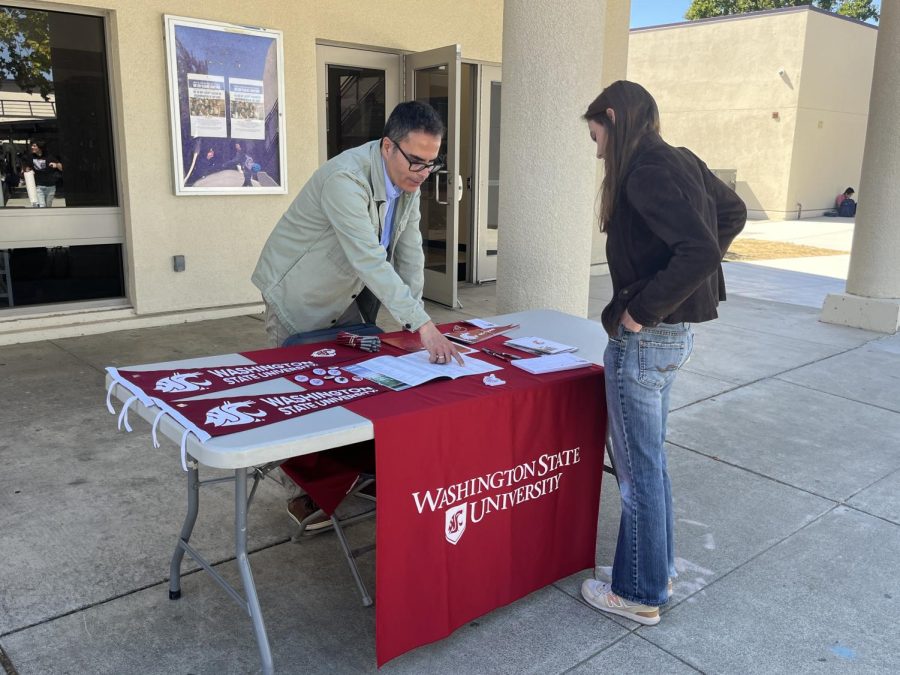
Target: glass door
{"points": [[434, 77], [358, 88], [488, 175]]}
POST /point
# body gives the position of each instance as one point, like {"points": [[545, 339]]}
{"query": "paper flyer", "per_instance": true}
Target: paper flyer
{"points": [[206, 100], [246, 101]]}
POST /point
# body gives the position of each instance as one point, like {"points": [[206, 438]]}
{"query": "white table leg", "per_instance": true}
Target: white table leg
{"points": [[243, 560]]}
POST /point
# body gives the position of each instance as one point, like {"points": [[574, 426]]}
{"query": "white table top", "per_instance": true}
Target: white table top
{"points": [[337, 426]]}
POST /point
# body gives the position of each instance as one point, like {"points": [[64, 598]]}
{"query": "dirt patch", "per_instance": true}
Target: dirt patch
{"points": [[761, 249]]}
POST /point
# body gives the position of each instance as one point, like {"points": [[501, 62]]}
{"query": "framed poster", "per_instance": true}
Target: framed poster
{"points": [[226, 100]]}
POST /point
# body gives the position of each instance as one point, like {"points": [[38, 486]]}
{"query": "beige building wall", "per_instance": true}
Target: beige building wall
{"points": [[614, 67], [221, 237], [833, 110], [748, 93]]}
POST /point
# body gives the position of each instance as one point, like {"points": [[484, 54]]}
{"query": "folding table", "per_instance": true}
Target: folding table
{"points": [[244, 451]]}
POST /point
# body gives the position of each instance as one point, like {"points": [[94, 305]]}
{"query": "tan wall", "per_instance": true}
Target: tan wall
{"points": [[221, 236], [615, 42], [717, 85], [615, 65], [833, 111]]}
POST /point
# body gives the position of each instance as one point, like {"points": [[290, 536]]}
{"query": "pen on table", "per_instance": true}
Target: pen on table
{"points": [[503, 356]]}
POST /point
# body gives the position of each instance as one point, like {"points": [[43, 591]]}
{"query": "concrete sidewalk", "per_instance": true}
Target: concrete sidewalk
{"points": [[784, 446]]}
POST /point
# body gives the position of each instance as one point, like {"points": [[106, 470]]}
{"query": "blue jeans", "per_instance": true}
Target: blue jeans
{"points": [[640, 369], [331, 333], [45, 195]]}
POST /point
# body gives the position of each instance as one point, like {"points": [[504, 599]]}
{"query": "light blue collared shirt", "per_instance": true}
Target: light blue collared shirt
{"points": [[392, 192]]}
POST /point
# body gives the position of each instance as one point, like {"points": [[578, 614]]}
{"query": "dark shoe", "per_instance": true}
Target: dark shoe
{"points": [[306, 513]]}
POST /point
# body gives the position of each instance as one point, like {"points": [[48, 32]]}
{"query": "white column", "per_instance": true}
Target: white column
{"points": [[552, 61], [872, 298]]}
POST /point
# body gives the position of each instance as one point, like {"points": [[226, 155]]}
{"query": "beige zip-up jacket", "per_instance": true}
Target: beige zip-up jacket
{"points": [[326, 248]]}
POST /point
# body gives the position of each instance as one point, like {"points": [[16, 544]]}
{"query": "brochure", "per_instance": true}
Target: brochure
{"points": [[408, 342], [471, 334], [536, 345], [551, 363], [411, 370]]}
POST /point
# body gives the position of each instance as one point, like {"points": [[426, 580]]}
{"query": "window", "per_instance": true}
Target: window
{"points": [[356, 102], [56, 152], [54, 111], [50, 275]]}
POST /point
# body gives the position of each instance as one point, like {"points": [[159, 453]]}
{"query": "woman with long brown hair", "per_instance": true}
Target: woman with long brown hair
{"points": [[668, 222]]}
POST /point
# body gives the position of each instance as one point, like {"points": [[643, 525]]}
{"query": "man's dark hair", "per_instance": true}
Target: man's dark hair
{"points": [[413, 116]]}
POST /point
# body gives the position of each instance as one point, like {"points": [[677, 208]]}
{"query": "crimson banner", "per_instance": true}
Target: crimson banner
{"points": [[171, 385], [268, 364], [217, 417]]}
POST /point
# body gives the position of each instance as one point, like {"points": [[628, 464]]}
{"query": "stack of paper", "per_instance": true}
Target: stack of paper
{"points": [[551, 363], [537, 345]]}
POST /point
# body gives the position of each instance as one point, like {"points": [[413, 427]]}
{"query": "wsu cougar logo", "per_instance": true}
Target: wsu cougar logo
{"points": [[324, 353], [455, 523], [179, 382], [229, 414]]}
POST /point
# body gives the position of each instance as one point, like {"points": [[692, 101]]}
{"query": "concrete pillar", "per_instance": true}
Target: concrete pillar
{"points": [[872, 298], [552, 61]]}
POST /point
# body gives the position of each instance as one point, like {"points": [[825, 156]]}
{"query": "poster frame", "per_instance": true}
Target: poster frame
{"points": [[185, 164]]}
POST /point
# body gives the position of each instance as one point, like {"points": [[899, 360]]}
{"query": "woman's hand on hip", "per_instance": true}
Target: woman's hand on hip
{"points": [[629, 323]]}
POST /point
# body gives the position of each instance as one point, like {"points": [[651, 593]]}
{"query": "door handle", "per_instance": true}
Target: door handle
{"points": [[437, 187], [459, 188]]}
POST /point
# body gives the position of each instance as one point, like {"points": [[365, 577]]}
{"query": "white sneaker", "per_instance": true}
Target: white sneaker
{"points": [[600, 595], [604, 574]]}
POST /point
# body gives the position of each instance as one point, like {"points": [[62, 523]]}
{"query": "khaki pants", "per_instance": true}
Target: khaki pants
{"points": [[278, 333], [276, 330]]}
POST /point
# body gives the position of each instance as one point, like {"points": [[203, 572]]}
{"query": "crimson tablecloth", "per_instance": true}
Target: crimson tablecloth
{"points": [[484, 495]]}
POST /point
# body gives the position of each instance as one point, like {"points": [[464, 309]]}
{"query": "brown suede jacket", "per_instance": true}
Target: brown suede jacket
{"points": [[672, 223]]}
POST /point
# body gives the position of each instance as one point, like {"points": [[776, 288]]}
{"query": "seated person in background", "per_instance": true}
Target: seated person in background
{"points": [[845, 204]]}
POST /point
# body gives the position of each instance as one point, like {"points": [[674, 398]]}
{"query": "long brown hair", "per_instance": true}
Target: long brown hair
{"points": [[636, 116]]}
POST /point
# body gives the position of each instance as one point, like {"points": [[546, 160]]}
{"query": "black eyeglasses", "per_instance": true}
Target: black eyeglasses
{"points": [[417, 165]]}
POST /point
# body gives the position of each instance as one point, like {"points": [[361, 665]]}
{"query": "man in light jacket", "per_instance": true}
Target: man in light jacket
{"points": [[350, 240]]}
